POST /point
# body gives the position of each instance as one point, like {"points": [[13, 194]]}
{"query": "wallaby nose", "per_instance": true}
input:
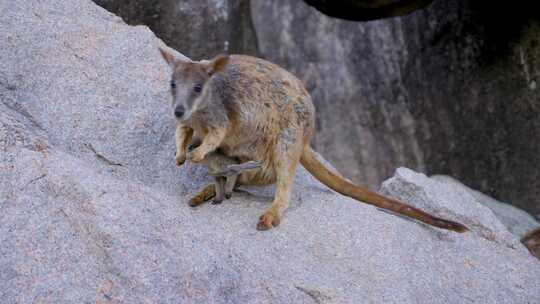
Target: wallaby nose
{"points": [[179, 112]]}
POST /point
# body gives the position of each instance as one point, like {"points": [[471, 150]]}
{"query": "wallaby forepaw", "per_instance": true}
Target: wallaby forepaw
{"points": [[196, 155], [268, 220]]}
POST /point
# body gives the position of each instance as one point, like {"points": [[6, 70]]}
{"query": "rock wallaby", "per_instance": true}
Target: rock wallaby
{"points": [[253, 110], [225, 171]]}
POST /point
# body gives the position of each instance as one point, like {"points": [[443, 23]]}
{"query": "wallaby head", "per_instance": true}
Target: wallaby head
{"points": [[188, 81]]}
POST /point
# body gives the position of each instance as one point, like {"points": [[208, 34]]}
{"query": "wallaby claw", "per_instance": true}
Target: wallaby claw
{"points": [[180, 160]]}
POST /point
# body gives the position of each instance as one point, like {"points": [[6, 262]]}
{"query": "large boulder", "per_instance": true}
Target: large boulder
{"points": [[450, 89], [92, 208], [516, 220]]}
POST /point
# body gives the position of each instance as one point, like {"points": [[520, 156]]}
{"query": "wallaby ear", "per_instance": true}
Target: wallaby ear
{"points": [[217, 64], [169, 58]]}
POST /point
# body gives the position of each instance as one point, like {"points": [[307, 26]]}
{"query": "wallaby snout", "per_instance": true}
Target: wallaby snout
{"points": [[179, 111]]}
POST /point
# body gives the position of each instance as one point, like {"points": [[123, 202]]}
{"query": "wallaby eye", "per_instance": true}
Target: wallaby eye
{"points": [[173, 84], [197, 88]]}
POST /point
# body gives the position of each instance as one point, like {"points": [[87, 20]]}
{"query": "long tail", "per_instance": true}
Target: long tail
{"points": [[339, 184]]}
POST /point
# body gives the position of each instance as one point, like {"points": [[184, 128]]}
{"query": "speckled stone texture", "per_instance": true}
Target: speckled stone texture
{"points": [[92, 208]]}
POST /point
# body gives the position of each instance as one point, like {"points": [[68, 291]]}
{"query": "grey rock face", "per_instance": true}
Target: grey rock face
{"points": [[92, 208], [198, 29], [449, 89]]}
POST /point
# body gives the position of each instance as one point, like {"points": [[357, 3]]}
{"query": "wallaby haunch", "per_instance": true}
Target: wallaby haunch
{"points": [[253, 110]]}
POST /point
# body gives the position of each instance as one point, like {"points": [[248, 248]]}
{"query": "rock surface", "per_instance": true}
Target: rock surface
{"points": [[92, 208], [451, 89]]}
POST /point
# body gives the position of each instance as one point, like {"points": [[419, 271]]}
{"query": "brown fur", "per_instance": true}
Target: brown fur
{"points": [[254, 110], [532, 241]]}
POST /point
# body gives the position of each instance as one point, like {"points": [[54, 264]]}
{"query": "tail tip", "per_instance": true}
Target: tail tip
{"points": [[450, 225], [457, 227]]}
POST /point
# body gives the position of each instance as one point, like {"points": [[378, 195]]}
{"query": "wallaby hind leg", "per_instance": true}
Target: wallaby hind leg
{"points": [[229, 185], [285, 165], [220, 190], [204, 195]]}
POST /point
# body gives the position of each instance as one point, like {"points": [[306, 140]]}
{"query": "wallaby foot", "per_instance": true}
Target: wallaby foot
{"points": [[208, 192], [269, 219]]}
